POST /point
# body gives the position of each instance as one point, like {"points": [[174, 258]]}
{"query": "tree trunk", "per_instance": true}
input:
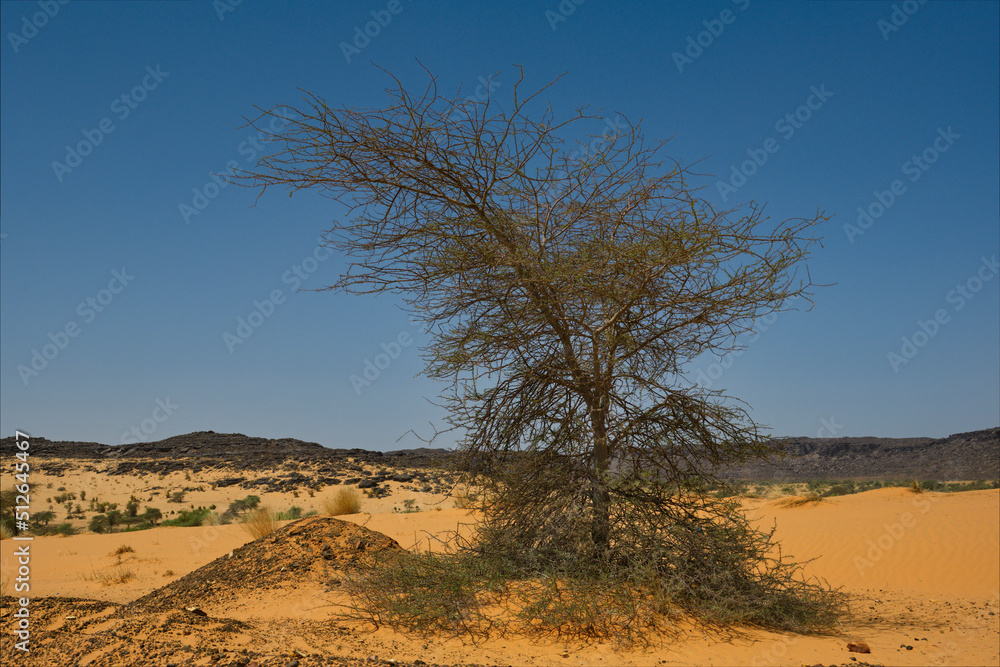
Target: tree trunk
{"points": [[601, 527]]}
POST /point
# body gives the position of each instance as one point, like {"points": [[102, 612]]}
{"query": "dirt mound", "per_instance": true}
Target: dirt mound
{"points": [[75, 632], [308, 553]]}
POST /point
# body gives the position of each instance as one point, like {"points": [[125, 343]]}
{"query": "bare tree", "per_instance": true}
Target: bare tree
{"points": [[564, 295]]}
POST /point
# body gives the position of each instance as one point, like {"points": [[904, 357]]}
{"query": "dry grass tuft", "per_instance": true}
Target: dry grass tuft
{"points": [[915, 487], [801, 501], [463, 499], [5, 532], [260, 523], [346, 501], [112, 576], [122, 550]]}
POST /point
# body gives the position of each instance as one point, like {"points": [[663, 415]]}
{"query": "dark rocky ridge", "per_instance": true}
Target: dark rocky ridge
{"points": [[242, 451], [963, 456]]}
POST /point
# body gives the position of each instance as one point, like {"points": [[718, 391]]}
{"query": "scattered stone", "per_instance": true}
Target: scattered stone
{"points": [[858, 647]]}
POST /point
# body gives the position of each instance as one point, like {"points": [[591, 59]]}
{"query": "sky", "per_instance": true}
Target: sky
{"points": [[127, 271]]}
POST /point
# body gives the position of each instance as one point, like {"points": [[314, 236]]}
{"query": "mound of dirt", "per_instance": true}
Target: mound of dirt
{"points": [[75, 632], [313, 551]]}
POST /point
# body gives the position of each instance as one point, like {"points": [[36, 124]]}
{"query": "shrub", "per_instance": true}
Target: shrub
{"points": [[66, 530], [291, 514], [176, 497], [260, 523], [243, 505], [345, 501], [99, 524], [151, 515], [189, 518]]}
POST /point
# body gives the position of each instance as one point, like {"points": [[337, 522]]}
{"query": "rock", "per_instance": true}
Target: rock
{"points": [[367, 484], [197, 611], [858, 647], [401, 477]]}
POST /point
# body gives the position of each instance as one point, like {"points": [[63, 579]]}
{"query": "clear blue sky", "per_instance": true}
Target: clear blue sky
{"points": [[147, 349]]}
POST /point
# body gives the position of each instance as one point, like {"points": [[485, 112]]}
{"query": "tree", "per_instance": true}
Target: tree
{"points": [[99, 524], [44, 517], [564, 295], [114, 518], [152, 515]]}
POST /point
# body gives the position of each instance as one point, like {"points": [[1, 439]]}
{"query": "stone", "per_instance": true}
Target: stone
{"points": [[858, 647]]}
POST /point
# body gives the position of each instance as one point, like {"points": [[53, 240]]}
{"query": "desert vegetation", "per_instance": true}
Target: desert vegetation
{"points": [[564, 294], [260, 523], [344, 501]]}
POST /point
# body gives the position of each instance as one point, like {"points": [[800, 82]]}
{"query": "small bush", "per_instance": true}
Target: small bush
{"points": [[260, 523], [189, 518], [292, 514], [113, 576], [345, 501], [243, 505], [122, 550], [66, 530]]}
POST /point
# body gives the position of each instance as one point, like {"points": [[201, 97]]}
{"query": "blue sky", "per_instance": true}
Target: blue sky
{"points": [[115, 305]]}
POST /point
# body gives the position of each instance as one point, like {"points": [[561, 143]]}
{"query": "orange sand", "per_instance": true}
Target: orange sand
{"points": [[919, 565]]}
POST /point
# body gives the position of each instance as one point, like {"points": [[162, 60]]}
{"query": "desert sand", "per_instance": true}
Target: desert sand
{"points": [[923, 571]]}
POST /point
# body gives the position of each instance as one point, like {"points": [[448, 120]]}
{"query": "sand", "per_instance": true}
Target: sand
{"points": [[923, 570]]}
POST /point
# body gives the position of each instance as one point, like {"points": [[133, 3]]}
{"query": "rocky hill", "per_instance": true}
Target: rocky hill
{"points": [[242, 451], [963, 456]]}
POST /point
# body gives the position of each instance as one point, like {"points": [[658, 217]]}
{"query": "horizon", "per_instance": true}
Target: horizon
{"points": [[138, 290], [33, 437]]}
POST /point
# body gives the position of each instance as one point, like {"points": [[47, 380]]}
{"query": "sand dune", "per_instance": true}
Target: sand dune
{"points": [[924, 570]]}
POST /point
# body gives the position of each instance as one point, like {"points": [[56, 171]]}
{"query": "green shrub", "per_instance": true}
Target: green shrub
{"points": [[189, 518]]}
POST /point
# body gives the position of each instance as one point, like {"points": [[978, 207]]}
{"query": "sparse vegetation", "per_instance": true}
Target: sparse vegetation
{"points": [[345, 501], [291, 513], [189, 518], [463, 499], [114, 575], [800, 501], [259, 523]]}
